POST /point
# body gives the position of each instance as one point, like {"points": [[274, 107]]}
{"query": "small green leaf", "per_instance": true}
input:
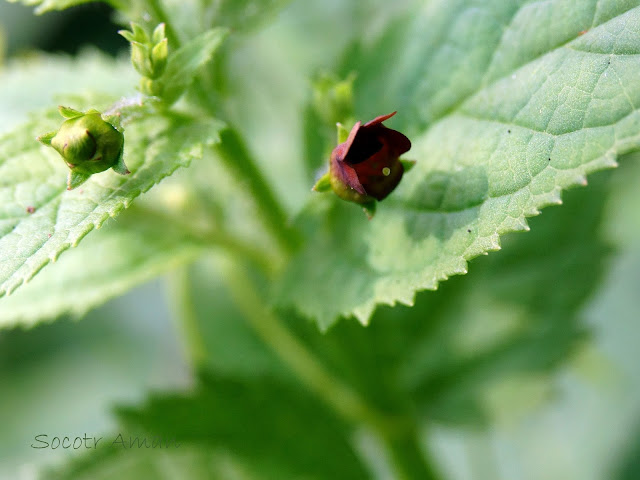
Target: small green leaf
{"points": [[184, 63], [128, 36], [75, 179], [342, 133], [323, 184], [158, 34], [370, 209], [46, 138], [68, 112], [139, 33], [407, 164]]}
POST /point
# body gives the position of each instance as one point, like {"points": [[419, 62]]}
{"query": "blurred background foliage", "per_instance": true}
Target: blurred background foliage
{"points": [[525, 368]]}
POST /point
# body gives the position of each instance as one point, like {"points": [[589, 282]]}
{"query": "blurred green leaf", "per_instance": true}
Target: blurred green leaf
{"points": [[629, 462], [500, 123], [44, 6], [622, 220], [184, 63], [126, 253], [35, 81], [242, 15], [254, 429], [232, 348]]}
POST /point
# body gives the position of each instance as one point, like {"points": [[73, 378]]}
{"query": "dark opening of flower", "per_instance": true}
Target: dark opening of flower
{"points": [[367, 166]]}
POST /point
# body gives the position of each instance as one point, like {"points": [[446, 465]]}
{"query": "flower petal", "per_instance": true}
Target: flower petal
{"points": [[380, 119], [346, 174]]}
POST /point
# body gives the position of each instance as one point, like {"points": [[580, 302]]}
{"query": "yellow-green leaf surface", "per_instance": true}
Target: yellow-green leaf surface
{"points": [[506, 104]]}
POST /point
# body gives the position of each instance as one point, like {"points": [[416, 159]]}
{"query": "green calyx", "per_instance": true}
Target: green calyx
{"points": [[88, 144]]}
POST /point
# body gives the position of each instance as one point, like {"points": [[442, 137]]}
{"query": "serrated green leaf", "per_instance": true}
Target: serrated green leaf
{"points": [[516, 314], [185, 62], [130, 251], [44, 6], [259, 429], [39, 218], [501, 122]]}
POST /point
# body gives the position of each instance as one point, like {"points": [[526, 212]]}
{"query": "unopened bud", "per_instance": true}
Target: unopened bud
{"points": [[88, 144], [148, 53]]}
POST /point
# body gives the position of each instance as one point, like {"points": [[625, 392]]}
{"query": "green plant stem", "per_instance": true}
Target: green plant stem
{"points": [[399, 436], [187, 318], [213, 238], [269, 327], [236, 157], [407, 456]]}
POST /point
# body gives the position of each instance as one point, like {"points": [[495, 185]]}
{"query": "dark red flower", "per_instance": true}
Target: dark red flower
{"points": [[367, 166]]}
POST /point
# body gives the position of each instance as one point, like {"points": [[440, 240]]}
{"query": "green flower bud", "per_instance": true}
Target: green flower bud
{"points": [[158, 34], [333, 98], [88, 144], [159, 55], [148, 54], [141, 59]]}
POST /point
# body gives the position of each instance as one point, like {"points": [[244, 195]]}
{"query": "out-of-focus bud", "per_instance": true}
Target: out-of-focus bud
{"points": [[88, 144], [333, 98]]}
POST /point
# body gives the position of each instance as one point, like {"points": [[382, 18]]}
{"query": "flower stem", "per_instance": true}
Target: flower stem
{"points": [[309, 370], [408, 457], [211, 237], [236, 157], [399, 434], [187, 318]]}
